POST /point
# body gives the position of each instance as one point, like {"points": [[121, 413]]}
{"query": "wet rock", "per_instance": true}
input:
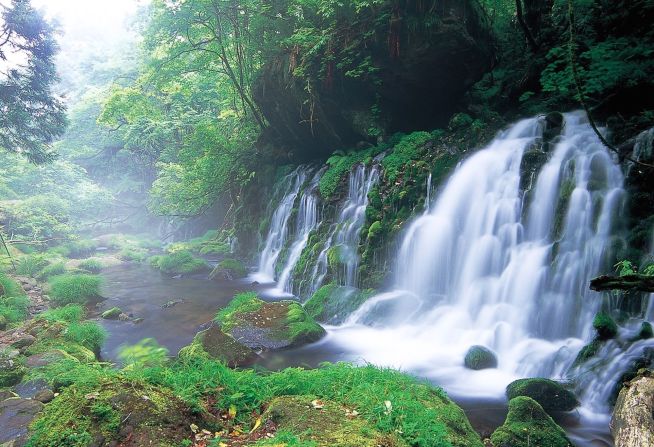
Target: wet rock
{"points": [[45, 358], [528, 425], [218, 345], [123, 317], [44, 396], [11, 371], [7, 394], [551, 395], [171, 303], [137, 320], [480, 357], [24, 341], [15, 418], [111, 314]]}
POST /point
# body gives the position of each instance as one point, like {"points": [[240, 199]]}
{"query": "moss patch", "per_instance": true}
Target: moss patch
{"points": [[333, 304]]}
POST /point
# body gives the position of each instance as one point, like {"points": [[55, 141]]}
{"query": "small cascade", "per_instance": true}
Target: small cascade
{"points": [[488, 264], [307, 220], [343, 240], [290, 188]]}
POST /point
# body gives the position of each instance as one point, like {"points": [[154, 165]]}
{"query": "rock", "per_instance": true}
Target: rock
{"points": [[137, 320], [11, 371], [15, 418], [123, 317], [228, 270], [6, 394], [333, 303], [260, 325], [645, 331], [549, 394], [44, 396], [24, 341], [528, 425], [480, 357], [171, 303], [325, 423], [218, 345], [605, 326], [45, 358], [112, 314], [632, 423]]}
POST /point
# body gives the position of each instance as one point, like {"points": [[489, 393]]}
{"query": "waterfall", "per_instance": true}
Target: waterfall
{"points": [[344, 235], [278, 232], [307, 220], [490, 264]]}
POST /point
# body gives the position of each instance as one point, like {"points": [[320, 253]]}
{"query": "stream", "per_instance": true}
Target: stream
{"points": [[142, 291]]}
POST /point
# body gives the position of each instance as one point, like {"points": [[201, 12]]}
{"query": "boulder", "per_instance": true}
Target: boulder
{"points": [[551, 395], [605, 326], [528, 425], [228, 270], [23, 341], [44, 396], [215, 344], [480, 357], [12, 371], [15, 418], [112, 314]]}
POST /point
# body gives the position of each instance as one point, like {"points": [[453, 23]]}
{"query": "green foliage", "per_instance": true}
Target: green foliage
{"points": [[88, 334], [31, 265], [551, 395], [285, 438], [13, 302], [71, 313], [133, 254], [339, 166], [180, 262], [79, 248], [145, 354], [233, 265], [91, 265], [58, 268], [76, 289], [625, 267], [9, 287], [605, 326]]}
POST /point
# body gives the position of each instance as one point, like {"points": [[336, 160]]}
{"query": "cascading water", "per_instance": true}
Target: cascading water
{"points": [[490, 265], [343, 238], [307, 221], [278, 231]]}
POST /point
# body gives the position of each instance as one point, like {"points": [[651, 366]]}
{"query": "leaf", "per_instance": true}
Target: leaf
{"points": [[257, 424], [232, 411]]}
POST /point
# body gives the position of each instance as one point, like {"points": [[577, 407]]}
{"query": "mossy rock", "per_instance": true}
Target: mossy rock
{"points": [[228, 269], [645, 331], [605, 326], [528, 425], [551, 395], [326, 423], [12, 371], [215, 344], [112, 314], [115, 411], [480, 357], [261, 325], [333, 304], [587, 352]]}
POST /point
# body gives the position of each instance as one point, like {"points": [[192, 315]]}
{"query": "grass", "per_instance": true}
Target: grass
{"points": [[88, 334], [133, 254], [76, 249], [180, 262], [71, 313], [13, 302], [58, 268], [31, 265], [91, 265], [74, 289]]}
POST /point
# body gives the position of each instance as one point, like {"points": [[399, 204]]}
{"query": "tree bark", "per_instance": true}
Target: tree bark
{"points": [[637, 282], [632, 423]]}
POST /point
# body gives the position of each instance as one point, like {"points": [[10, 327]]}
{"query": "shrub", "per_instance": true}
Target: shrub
{"points": [[181, 262], [88, 334], [31, 265], [91, 265], [58, 268], [78, 289], [133, 254]]}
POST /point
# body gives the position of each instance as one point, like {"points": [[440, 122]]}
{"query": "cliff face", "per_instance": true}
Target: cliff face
{"points": [[407, 71]]}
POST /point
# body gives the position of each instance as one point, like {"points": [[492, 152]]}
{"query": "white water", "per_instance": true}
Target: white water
{"points": [[278, 231], [484, 266], [344, 234]]}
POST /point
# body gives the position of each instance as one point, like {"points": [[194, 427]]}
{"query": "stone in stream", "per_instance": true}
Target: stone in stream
{"points": [[15, 417], [214, 343], [171, 303], [480, 357], [551, 395], [528, 425], [112, 314]]}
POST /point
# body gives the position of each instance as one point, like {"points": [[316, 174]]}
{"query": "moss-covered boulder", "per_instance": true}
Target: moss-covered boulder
{"points": [[261, 325], [114, 412], [528, 425], [588, 352], [12, 370], [181, 262], [112, 314], [605, 326], [326, 423], [215, 344], [333, 303], [480, 357], [227, 270], [645, 331], [551, 395]]}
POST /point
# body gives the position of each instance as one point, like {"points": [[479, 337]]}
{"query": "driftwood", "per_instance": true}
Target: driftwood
{"points": [[635, 281], [632, 423]]}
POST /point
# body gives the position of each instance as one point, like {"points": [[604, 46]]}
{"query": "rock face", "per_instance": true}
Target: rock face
{"points": [[217, 345], [480, 357], [260, 325], [632, 424], [398, 77], [549, 394], [527, 425]]}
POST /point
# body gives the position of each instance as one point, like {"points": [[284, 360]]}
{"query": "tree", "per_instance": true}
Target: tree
{"points": [[31, 116]]}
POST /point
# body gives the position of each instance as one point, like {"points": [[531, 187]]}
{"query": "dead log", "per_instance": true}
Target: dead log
{"points": [[632, 423], [635, 281]]}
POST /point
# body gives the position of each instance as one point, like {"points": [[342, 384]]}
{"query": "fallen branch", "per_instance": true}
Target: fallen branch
{"points": [[635, 281]]}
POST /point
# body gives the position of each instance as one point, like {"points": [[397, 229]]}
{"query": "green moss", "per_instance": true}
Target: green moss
{"points": [[527, 425], [339, 166], [134, 254], [301, 326], [181, 263], [12, 370], [645, 331], [234, 266], [605, 326], [71, 313], [74, 289], [91, 265], [240, 304], [587, 352], [480, 357], [409, 148], [565, 192], [551, 395], [332, 303], [111, 314]]}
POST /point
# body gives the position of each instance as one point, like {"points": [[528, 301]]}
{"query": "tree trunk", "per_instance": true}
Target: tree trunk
{"points": [[632, 424], [637, 282]]}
